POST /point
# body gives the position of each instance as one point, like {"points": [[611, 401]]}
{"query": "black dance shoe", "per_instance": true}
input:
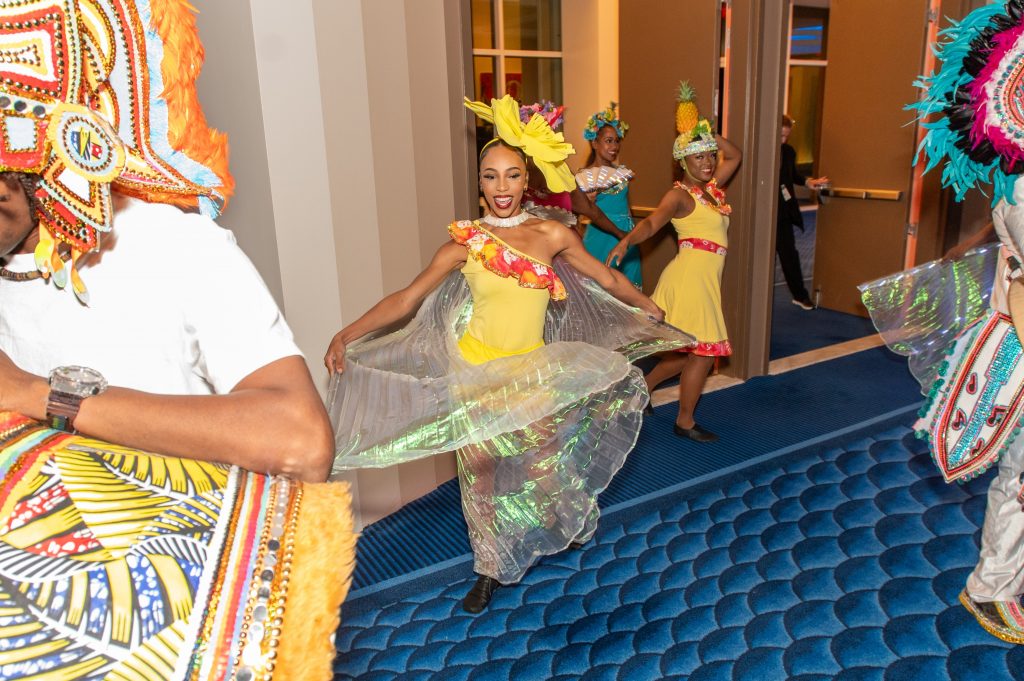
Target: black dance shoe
{"points": [[697, 434], [480, 595]]}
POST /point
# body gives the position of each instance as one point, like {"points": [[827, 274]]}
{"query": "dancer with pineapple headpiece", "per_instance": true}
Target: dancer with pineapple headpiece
{"points": [[690, 287], [513, 361], [608, 182]]}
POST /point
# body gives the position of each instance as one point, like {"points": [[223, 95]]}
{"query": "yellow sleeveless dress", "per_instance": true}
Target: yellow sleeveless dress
{"points": [[539, 400], [690, 287], [507, 320]]}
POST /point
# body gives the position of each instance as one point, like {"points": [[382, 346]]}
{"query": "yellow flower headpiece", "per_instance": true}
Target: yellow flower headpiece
{"points": [[547, 148]]}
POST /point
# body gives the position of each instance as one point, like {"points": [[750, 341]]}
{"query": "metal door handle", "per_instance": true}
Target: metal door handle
{"points": [[850, 193]]}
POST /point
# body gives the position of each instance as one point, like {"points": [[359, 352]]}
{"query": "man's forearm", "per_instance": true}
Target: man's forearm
{"points": [[281, 430]]}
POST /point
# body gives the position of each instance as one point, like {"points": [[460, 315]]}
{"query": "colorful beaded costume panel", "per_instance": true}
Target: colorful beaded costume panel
{"points": [[118, 564]]}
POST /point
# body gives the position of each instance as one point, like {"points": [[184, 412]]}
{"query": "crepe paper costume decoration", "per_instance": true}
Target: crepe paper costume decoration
{"points": [[537, 434], [608, 117], [119, 564], [503, 261], [696, 136], [977, 91], [546, 109], [547, 148], [100, 94], [604, 177]]}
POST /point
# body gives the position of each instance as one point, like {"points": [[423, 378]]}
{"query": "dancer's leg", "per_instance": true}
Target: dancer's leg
{"points": [[691, 385], [669, 366]]}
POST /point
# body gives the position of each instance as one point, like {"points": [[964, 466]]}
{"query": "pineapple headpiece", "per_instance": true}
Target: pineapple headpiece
{"points": [[97, 94], [609, 117], [547, 148], [978, 91], [695, 133]]}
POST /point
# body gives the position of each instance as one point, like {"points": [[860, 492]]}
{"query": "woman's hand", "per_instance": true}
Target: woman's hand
{"points": [[334, 360], [816, 182], [652, 309], [617, 254]]}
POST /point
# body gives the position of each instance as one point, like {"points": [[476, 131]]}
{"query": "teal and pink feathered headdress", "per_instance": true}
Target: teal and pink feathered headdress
{"points": [[979, 90]]}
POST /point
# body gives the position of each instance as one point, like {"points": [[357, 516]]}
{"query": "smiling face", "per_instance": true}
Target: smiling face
{"points": [[606, 146], [502, 180], [701, 167]]}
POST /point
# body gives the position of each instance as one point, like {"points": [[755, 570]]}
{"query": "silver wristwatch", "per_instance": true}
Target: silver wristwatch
{"points": [[68, 387]]}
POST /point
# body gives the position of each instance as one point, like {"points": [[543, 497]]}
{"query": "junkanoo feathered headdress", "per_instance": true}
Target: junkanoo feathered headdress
{"points": [[978, 91], [607, 118], [547, 148], [101, 93], [696, 135]]}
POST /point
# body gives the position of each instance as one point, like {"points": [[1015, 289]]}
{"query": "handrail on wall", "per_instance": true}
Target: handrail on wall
{"points": [[868, 194]]}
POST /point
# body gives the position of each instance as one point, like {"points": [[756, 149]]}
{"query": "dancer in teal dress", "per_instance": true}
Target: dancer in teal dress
{"points": [[607, 179]]}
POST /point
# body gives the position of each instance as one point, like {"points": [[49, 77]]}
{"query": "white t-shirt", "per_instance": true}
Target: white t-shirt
{"points": [[175, 308]]}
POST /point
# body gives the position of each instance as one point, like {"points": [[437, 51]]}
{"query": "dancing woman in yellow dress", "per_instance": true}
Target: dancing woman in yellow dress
{"points": [[514, 361], [690, 287]]}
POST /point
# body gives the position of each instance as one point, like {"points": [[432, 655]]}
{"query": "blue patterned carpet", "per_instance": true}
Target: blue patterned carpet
{"points": [[840, 561]]}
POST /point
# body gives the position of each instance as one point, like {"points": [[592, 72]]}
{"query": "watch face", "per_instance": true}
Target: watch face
{"points": [[75, 380]]}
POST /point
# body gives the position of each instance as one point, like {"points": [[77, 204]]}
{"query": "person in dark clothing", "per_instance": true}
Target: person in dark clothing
{"points": [[789, 216]]}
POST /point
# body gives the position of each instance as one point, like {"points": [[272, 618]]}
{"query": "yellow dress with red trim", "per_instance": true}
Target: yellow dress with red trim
{"points": [[524, 370], [120, 564], [690, 286]]}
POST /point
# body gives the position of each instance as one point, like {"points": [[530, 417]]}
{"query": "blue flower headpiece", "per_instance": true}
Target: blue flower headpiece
{"points": [[609, 117]]}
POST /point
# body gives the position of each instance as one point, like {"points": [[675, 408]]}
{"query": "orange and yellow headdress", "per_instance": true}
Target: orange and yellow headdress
{"points": [[97, 94], [547, 148]]}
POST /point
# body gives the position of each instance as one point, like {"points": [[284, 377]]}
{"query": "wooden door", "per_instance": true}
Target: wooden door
{"points": [[876, 50]]}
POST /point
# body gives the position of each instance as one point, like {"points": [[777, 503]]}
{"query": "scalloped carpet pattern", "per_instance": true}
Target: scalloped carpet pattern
{"points": [[839, 561]]}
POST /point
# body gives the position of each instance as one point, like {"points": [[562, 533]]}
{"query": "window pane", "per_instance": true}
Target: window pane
{"points": [[482, 12], [806, 94], [483, 89], [533, 24], [810, 32], [531, 79]]}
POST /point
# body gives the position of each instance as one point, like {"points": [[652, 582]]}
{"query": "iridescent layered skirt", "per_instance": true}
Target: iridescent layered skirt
{"points": [[537, 436], [962, 349]]}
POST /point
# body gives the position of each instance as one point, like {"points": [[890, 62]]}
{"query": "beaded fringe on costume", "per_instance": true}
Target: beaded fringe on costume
{"points": [[537, 435]]}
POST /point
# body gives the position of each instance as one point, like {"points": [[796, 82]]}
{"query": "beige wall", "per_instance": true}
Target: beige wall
{"points": [[590, 67], [348, 143]]}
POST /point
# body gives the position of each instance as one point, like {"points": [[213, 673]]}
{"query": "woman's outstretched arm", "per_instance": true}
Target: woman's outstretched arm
{"points": [[570, 247], [671, 203], [397, 305]]}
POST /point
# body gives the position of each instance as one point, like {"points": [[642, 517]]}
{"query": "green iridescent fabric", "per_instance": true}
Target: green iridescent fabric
{"points": [[920, 312], [537, 435]]}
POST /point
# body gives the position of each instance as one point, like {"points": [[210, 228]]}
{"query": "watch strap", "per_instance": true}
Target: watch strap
{"points": [[61, 410]]}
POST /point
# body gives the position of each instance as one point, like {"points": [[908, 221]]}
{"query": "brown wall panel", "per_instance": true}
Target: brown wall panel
{"points": [[660, 43], [866, 143]]}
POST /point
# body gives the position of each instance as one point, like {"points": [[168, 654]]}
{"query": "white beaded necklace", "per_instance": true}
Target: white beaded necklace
{"points": [[512, 221]]}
